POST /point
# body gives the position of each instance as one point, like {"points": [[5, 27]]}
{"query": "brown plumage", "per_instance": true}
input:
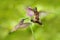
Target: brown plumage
{"points": [[36, 16]]}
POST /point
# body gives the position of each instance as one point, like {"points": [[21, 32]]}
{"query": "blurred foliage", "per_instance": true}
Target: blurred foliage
{"points": [[11, 11]]}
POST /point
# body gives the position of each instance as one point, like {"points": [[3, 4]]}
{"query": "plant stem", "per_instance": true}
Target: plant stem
{"points": [[32, 33]]}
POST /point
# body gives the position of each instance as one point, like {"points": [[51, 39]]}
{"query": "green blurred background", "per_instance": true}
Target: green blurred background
{"points": [[11, 11]]}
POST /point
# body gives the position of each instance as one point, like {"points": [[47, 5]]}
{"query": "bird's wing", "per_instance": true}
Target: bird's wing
{"points": [[42, 14], [29, 12]]}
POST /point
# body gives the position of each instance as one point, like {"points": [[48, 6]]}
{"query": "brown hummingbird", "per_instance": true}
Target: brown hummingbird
{"points": [[36, 15]]}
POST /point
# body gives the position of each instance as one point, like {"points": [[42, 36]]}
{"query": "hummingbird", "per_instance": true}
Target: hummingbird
{"points": [[21, 24], [33, 12]]}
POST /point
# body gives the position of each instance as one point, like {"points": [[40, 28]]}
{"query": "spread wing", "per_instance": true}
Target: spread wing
{"points": [[42, 14], [45, 13], [29, 12]]}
